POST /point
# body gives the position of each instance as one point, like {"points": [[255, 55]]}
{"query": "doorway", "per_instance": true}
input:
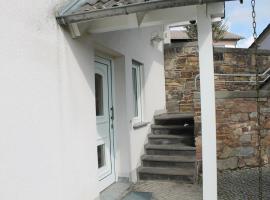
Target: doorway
{"points": [[104, 122]]}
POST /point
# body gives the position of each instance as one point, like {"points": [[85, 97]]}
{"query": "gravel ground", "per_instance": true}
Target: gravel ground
{"points": [[243, 185]]}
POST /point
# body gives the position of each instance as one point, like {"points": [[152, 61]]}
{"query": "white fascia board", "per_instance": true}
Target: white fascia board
{"points": [[216, 10], [169, 15], [151, 18]]}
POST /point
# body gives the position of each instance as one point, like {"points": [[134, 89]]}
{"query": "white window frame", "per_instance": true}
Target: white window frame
{"points": [[139, 78]]}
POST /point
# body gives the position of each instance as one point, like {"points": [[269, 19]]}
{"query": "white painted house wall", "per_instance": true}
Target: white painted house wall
{"points": [[48, 123], [47, 98], [136, 44]]}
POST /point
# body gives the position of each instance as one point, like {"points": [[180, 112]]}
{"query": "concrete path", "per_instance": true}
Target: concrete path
{"points": [[116, 191]]}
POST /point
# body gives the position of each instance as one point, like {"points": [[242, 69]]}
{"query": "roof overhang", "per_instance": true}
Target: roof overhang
{"points": [[136, 15], [65, 18]]}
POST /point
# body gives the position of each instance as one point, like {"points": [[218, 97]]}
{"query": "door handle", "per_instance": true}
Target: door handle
{"points": [[112, 113]]}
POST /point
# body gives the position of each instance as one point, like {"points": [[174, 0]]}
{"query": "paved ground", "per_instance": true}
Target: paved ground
{"points": [[160, 190], [232, 185], [170, 190]]}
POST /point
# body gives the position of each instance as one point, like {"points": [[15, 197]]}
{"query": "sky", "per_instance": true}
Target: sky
{"points": [[239, 20]]}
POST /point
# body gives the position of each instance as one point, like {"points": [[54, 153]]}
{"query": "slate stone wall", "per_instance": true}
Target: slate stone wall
{"points": [[237, 132], [182, 66]]}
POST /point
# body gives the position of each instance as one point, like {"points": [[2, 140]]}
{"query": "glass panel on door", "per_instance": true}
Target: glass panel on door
{"points": [[99, 95], [101, 155]]}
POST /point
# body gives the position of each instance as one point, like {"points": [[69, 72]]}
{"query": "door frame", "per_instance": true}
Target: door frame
{"points": [[99, 57]]}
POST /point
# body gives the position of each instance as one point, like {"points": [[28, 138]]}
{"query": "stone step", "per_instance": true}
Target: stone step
{"points": [[171, 149], [174, 119], [168, 161], [161, 173], [170, 153], [172, 129], [171, 139]]}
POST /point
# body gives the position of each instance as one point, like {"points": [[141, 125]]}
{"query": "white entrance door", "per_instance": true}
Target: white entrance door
{"points": [[104, 117]]}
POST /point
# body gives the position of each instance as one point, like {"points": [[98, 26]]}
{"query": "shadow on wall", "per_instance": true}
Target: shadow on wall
{"points": [[136, 44], [77, 104], [83, 52], [133, 44]]}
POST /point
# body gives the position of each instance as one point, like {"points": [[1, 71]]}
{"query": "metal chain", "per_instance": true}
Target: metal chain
{"points": [[254, 25]]}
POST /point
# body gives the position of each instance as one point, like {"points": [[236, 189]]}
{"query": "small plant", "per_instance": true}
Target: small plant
{"points": [[219, 28]]}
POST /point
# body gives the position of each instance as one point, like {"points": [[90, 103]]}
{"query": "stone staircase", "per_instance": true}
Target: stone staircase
{"points": [[170, 152]]}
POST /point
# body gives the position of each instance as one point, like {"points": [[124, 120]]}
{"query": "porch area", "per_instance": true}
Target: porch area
{"points": [[83, 104], [133, 150]]}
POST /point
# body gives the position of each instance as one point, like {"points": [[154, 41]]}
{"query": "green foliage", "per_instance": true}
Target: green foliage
{"points": [[192, 31], [219, 28]]}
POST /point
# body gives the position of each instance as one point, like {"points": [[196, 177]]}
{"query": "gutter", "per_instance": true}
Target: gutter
{"points": [[128, 9], [66, 7]]}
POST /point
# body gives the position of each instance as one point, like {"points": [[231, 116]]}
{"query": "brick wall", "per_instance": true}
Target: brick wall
{"points": [[237, 133]]}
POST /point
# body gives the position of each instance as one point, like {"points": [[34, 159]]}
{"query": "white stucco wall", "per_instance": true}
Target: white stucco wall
{"points": [[136, 44], [48, 129], [265, 44]]}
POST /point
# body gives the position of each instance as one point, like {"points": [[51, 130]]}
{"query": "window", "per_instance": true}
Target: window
{"points": [[137, 93]]}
